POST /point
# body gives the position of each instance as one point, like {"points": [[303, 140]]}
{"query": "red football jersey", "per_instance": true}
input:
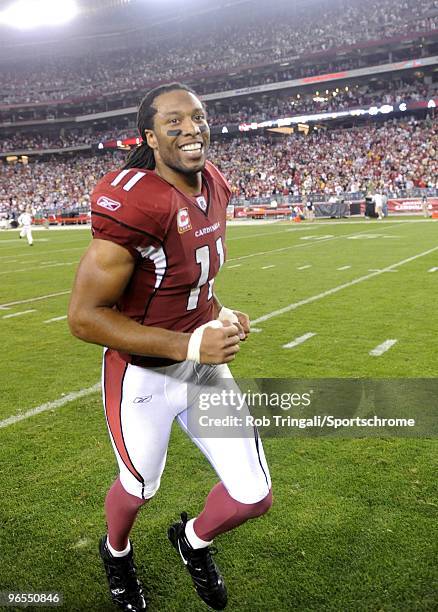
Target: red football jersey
{"points": [[177, 240]]}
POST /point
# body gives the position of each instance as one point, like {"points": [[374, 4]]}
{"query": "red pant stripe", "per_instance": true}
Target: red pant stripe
{"points": [[114, 374]]}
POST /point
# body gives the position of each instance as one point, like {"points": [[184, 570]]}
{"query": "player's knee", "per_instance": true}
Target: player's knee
{"points": [[143, 491], [257, 509], [263, 505], [150, 489]]}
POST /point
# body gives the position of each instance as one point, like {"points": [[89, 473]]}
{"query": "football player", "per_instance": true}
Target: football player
{"points": [[144, 291]]}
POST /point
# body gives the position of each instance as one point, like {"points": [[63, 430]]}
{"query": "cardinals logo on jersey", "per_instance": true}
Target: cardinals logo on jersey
{"points": [[183, 220]]}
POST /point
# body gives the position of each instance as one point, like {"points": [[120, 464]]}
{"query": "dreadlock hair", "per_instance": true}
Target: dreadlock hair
{"points": [[143, 156]]}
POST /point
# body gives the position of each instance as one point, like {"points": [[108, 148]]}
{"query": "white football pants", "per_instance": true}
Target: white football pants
{"points": [[26, 231], [141, 405]]}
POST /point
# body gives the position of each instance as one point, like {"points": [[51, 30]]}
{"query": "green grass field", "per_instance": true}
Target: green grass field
{"points": [[354, 523]]}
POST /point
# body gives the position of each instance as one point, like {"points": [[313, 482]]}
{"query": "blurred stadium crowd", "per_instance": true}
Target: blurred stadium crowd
{"points": [[350, 157], [268, 107], [364, 95], [242, 41], [396, 155]]}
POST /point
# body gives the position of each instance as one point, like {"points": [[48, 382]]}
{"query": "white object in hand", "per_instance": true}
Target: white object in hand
{"points": [[194, 348], [226, 314]]}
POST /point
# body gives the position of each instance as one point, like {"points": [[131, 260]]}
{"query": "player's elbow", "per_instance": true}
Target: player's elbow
{"points": [[79, 324]]}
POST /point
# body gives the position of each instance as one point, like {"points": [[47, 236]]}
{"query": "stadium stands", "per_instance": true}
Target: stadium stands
{"points": [[335, 99], [256, 109], [397, 155], [239, 41], [52, 105]]}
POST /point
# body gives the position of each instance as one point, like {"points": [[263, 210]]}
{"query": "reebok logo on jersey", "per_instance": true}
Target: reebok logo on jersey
{"points": [[183, 220], [107, 203]]}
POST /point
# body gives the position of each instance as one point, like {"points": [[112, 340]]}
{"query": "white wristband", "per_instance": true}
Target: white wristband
{"points": [[194, 348], [226, 314]]}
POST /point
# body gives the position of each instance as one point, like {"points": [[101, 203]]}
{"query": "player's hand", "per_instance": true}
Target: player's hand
{"points": [[244, 325], [219, 345]]}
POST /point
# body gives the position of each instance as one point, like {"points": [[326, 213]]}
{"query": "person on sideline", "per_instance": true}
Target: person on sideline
{"points": [[25, 220], [378, 203], [425, 206]]}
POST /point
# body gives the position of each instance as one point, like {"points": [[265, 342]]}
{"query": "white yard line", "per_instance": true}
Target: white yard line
{"points": [[54, 265], [70, 397], [319, 223], [280, 250], [298, 340], [256, 235], [18, 314], [40, 267], [433, 269], [379, 270], [304, 267], [256, 330], [309, 243], [324, 294], [56, 319], [235, 266], [34, 299], [382, 348], [6, 242], [267, 267], [318, 237], [364, 236], [81, 248], [344, 268]]}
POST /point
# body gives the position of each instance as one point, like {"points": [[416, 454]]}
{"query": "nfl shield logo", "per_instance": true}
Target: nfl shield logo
{"points": [[183, 220], [201, 203]]}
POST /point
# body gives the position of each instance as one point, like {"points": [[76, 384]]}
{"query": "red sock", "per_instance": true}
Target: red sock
{"points": [[121, 509], [222, 513]]}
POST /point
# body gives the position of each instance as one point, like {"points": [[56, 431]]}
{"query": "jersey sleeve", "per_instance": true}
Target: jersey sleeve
{"points": [[105, 227], [121, 217]]}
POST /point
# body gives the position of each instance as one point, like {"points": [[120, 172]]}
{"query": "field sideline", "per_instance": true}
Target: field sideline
{"points": [[353, 523]]}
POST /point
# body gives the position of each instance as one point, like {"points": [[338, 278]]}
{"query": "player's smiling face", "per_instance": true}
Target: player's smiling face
{"points": [[181, 135]]}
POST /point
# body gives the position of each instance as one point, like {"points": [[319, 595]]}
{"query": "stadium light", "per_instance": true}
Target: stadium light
{"points": [[30, 14]]}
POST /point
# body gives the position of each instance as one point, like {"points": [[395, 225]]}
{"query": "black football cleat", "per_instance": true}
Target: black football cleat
{"points": [[205, 574], [125, 588]]}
